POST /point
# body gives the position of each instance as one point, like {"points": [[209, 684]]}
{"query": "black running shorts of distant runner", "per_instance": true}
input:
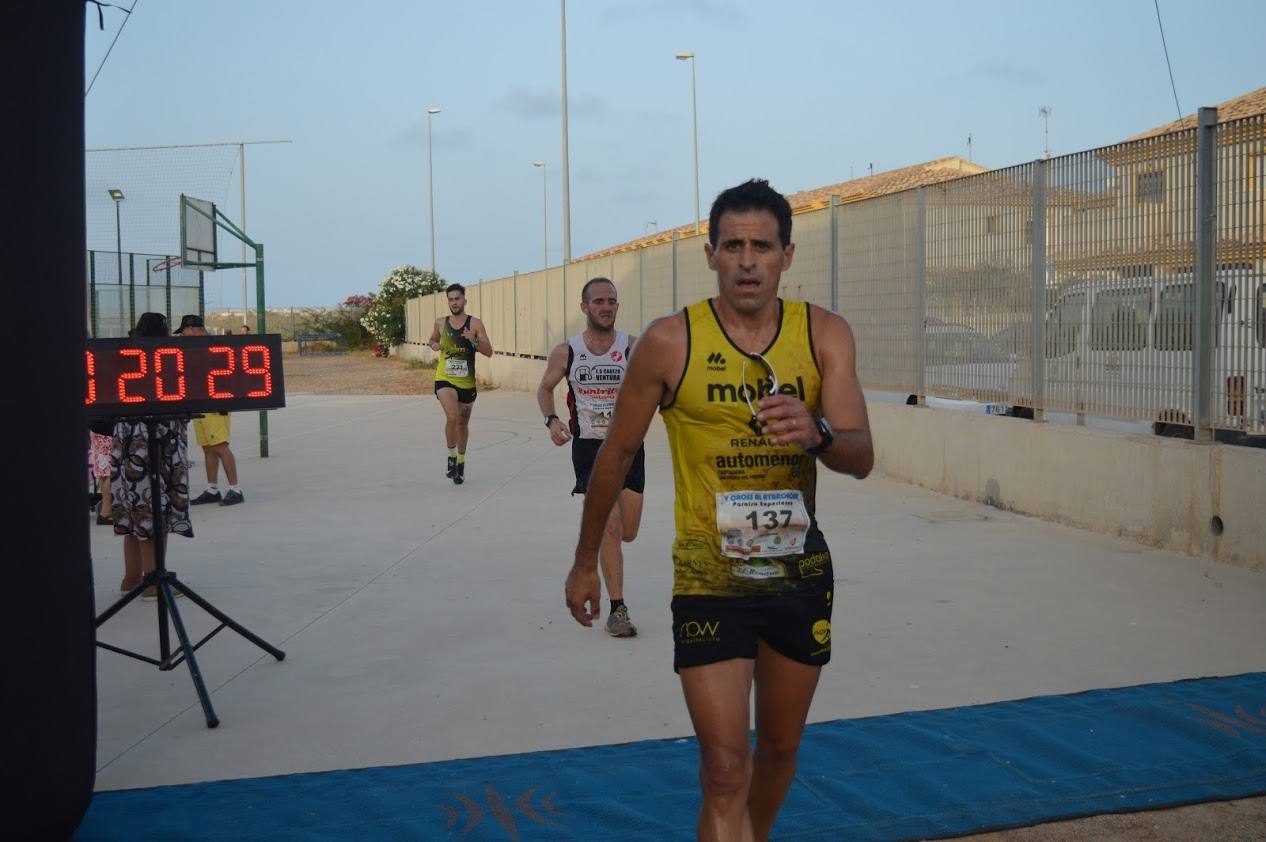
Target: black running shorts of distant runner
{"points": [[584, 451], [463, 395]]}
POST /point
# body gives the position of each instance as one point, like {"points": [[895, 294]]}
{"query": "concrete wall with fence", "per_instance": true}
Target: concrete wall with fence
{"points": [[1126, 282]]}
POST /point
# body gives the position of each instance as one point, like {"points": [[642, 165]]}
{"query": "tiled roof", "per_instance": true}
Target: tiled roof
{"points": [[866, 187], [1247, 105]]}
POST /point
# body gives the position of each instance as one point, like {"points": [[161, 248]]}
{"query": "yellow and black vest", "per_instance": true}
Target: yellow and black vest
{"points": [[719, 454], [456, 364]]}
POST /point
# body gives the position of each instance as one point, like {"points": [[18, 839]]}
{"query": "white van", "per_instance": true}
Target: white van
{"points": [[1123, 349]]}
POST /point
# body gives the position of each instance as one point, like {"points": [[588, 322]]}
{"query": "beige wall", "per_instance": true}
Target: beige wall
{"points": [[1160, 492], [1156, 491]]}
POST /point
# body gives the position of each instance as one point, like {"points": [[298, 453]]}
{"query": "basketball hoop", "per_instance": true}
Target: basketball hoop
{"points": [[165, 264]]}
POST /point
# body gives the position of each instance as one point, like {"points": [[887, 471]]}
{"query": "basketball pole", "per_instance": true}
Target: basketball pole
{"points": [[219, 220], [241, 159]]}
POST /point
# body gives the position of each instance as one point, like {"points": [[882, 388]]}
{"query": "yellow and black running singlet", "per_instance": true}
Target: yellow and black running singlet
{"points": [[457, 356], [745, 508]]}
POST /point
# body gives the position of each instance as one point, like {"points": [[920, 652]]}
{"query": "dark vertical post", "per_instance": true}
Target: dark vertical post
{"points": [[261, 319], [1038, 310], [835, 254], [48, 715], [673, 306], [92, 293], [920, 294], [1206, 247]]}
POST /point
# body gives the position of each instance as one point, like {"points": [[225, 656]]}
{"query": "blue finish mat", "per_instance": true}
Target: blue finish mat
{"points": [[905, 776]]}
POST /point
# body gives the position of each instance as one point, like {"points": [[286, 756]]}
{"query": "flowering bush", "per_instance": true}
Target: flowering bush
{"points": [[385, 318]]}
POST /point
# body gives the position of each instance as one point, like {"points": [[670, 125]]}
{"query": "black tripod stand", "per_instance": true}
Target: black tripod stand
{"points": [[164, 581]]}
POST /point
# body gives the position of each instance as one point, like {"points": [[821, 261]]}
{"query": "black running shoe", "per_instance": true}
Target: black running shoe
{"points": [[459, 474], [206, 497], [452, 467]]}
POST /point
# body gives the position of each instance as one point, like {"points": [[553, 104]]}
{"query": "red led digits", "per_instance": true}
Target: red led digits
{"points": [[92, 380], [164, 376], [143, 368], [266, 370], [163, 394], [229, 360]]}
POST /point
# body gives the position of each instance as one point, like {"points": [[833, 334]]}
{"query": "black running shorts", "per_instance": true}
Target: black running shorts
{"points": [[584, 451], [710, 629], [463, 395]]}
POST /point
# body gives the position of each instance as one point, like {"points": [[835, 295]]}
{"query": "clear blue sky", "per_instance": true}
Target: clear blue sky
{"points": [[796, 92]]}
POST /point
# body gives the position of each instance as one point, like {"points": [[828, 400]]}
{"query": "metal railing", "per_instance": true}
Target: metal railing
{"points": [[1126, 282]]}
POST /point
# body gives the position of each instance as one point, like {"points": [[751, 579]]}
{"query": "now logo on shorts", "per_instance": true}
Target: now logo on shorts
{"points": [[695, 631]]}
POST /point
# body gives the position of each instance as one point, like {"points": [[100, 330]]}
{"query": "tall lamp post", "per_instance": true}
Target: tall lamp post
{"points": [[544, 209], [694, 108], [117, 195], [430, 190]]}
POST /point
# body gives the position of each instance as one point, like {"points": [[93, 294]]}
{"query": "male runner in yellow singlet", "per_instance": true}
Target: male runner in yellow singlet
{"points": [[457, 337], [755, 391]]}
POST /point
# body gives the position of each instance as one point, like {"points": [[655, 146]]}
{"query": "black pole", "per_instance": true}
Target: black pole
{"points": [[48, 711]]}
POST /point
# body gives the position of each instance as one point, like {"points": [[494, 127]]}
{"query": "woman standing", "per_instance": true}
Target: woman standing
{"points": [[130, 471]]}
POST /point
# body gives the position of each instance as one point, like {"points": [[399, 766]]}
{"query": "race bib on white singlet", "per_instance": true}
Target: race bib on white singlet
{"points": [[456, 367], [761, 524]]}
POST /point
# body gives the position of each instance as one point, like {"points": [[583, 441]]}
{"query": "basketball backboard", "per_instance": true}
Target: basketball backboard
{"points": [[197, 232]]}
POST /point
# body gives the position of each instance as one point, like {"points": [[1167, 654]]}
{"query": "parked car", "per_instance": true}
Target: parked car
{"points": [[1123, 349]]}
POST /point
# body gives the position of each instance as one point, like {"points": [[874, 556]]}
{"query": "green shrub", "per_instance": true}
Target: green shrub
{"points": [[345, 321], [385, 319]]}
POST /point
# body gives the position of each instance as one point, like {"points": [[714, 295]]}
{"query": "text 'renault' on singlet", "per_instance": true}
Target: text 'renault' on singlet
{"points": [[593, 381], [457, 356], [745, 507]]}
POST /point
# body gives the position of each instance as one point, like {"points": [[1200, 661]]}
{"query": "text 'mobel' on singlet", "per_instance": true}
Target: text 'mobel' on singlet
{"points": [[745, 507], [456, 364], [593, 381]]}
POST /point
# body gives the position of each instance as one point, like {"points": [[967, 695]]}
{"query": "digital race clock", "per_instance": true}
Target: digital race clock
{"points": [[175, 375]]}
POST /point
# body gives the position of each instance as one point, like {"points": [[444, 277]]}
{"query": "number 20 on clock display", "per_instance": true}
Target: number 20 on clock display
{"points": [[183, 375]]}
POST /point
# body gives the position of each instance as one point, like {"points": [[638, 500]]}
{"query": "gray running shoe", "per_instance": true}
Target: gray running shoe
{"points": [[619, 624]]}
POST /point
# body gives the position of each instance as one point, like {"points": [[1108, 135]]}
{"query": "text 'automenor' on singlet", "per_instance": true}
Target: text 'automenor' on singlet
{"points": [[745, 507]]}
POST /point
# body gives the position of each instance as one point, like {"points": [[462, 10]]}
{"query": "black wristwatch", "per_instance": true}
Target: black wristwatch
{"points": [[549, 418], [828, 438]]}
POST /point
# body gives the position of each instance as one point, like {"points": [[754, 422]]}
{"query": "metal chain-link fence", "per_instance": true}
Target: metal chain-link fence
{"points": [[1126, 282], [121, 286]]}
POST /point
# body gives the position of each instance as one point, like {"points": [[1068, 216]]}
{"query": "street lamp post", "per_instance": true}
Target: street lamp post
{"points": [[694, 108], [430, 189], [544, 208], [117, 195]]}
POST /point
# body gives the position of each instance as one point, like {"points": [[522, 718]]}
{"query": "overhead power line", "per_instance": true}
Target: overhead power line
{"points": [[1165, 46], [127, 16]]}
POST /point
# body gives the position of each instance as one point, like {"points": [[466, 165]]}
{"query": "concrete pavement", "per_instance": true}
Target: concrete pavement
{"points": [[424, 621]]}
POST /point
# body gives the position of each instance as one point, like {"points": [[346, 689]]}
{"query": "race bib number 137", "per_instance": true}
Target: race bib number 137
{"points": [[760, 524]]}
